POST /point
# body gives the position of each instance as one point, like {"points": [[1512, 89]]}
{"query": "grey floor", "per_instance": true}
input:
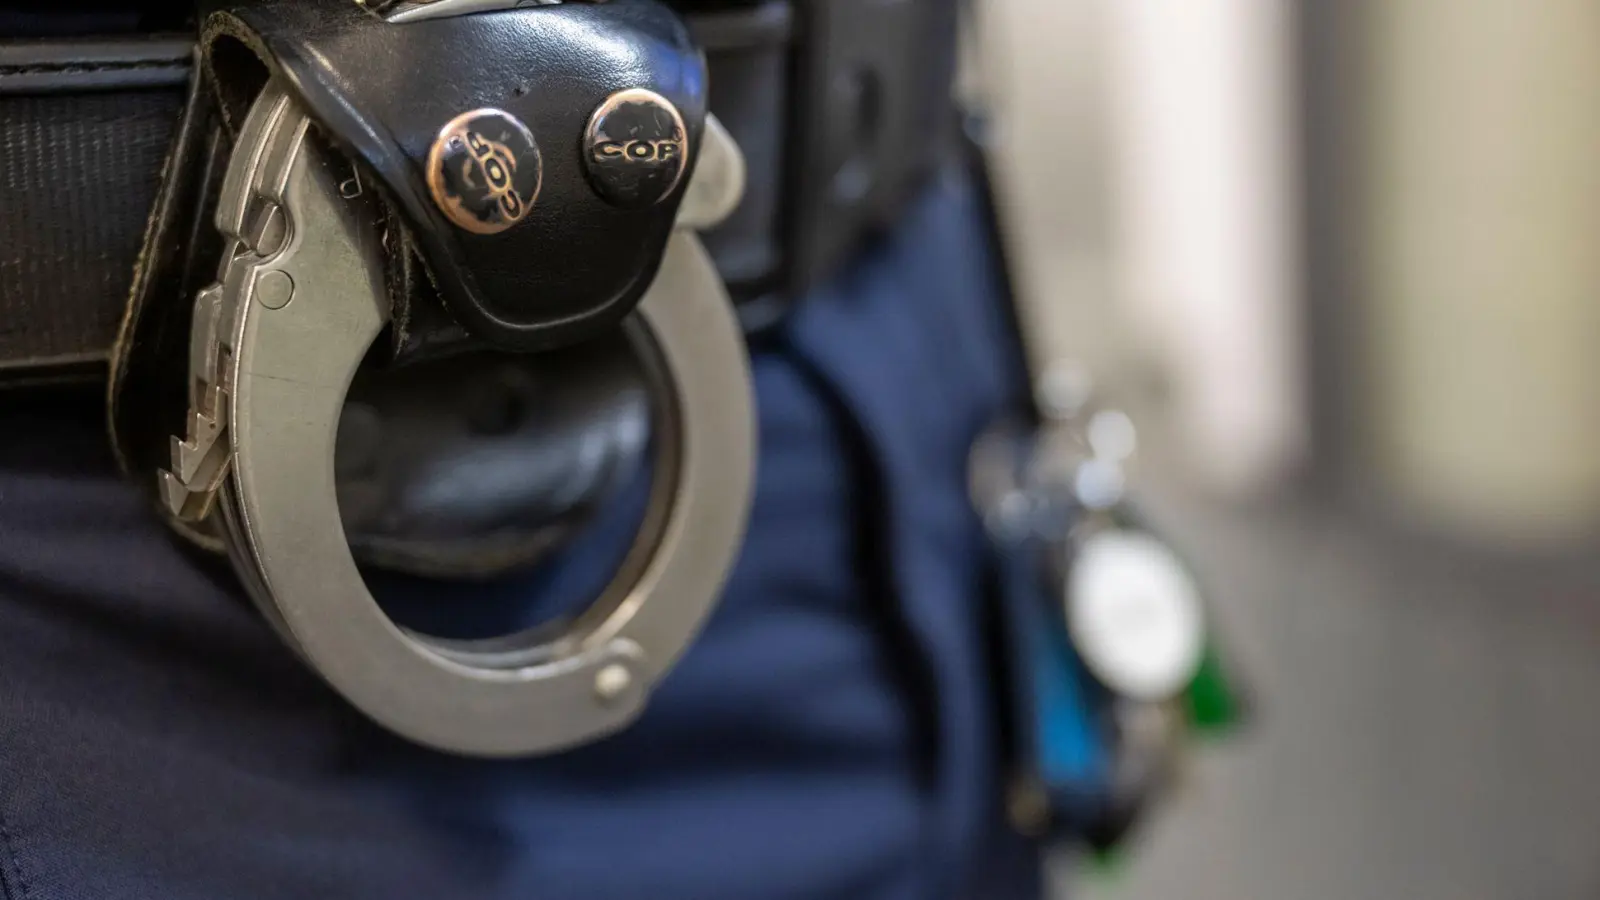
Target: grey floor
{"points": [[1429, 725]]}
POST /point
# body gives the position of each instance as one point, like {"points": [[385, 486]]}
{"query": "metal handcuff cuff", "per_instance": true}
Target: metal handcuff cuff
{"points": [[299, 299]]}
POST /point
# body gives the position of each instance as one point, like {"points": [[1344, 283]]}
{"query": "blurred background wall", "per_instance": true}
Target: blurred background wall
{"points": [[1336, 256], [1151, 160], [1479, 280], [1342, 243]]}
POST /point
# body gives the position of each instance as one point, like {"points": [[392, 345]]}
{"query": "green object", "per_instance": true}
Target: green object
{"points": [[1106, 866], [1214, 705]]}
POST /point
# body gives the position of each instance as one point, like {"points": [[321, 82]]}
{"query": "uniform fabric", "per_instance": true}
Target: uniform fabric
{"points": [[831, 735]]}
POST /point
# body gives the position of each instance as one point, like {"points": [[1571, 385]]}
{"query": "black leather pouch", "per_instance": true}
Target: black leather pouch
{"points": [[457, 382]]}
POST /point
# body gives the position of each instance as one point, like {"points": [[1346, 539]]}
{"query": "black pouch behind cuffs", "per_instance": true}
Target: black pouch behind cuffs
{"points": [[381, 93], [551, 409]]}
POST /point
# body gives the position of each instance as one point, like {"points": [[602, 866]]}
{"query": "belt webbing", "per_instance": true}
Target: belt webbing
{"points": [[84, 128]]}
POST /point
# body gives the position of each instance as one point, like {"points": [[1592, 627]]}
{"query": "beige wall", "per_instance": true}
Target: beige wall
{"points": [[1482, 237], [1044, 66], [1150, 168]]}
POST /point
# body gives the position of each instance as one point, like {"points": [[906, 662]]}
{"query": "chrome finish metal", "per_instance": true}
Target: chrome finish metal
{"points": [[718, 182], [418, 10], [300, 298]]}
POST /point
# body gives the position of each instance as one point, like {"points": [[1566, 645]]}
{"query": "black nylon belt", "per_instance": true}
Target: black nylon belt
{"points": [[839, 108], [84, 127]]}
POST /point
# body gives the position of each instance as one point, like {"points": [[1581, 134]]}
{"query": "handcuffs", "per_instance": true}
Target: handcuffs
{"points": [[315, 209]]}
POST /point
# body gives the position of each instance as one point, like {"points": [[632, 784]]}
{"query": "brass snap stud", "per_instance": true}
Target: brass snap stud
{"points": [[484, 170], [635, 149]]}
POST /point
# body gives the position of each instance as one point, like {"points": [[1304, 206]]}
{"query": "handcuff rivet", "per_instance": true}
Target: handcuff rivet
{"points": [[274, 289], [611, 682]]}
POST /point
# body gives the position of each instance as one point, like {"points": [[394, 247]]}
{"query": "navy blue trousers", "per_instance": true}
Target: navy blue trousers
{"points": [[832, 734]]}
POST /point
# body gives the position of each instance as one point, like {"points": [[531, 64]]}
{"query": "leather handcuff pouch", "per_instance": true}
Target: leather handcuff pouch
{"points": [[426, 114]]}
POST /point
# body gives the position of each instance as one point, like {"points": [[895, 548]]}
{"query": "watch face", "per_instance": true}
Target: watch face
{"points": [[1135, 616]]}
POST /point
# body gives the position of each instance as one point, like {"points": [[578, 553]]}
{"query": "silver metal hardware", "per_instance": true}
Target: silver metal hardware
{"points": [[418, 10], [299, 300]]}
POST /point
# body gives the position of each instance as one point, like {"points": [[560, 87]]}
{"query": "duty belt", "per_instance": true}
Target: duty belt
{"points": [[840, 108], [396, 188]]}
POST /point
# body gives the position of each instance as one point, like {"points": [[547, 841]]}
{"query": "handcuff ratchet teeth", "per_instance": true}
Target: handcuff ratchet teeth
{"points": [[275, 344]]}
